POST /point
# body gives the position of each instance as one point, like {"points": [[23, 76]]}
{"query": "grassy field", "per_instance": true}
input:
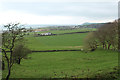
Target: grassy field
{"points": [[58, 42], [69, 41], [68, 31], [61, 64]]}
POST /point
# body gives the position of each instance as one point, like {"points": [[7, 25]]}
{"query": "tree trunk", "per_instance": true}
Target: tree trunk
{"points": [[105, 46], [19, 60], [109, 46], [8, 64], [9, 71], [3, 65]]}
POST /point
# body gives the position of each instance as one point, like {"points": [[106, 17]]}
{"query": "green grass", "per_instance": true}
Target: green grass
{"points": [[68, 31], [59, 64], [69, 41]]}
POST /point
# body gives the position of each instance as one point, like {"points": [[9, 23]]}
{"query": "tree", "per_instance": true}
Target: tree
{"points": [[3, 65], [12, 34], [105, 36], [20, 51], [119, 34], [91, 42], [100, 35], [1, 62]]}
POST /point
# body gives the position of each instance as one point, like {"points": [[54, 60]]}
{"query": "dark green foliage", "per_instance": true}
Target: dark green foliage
{"points": [[20, 52]]}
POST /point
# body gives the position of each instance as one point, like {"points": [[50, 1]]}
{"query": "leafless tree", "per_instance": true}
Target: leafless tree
{"points": [[12, 34], [105, 36]]}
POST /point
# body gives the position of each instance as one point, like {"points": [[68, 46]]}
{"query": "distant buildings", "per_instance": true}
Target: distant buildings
{"points": [[43, 34], [46, 34]]}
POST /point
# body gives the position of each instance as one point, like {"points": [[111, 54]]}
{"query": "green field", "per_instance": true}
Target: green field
{"points": [[68, 31], [45, 65], [68, 41], [63, 64]]}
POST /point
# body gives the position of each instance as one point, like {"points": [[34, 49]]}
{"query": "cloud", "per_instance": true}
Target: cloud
{"points": [[63, 9], [25, 18], [59, 0], [46, 12]]}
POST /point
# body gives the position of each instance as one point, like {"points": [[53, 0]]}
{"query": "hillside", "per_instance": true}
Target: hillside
{"points": [[91, 25]]}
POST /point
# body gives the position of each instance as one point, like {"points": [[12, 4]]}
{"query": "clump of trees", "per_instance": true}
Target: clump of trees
{"points": [[90, 42], [13, 34], [106, 37]]}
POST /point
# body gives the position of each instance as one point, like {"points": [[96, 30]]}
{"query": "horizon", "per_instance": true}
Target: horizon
{"points": [[58, 24]]}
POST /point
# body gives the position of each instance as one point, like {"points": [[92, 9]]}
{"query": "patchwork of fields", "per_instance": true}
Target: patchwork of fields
{"points": [[68, 41], [63, 64], [68, 31]]}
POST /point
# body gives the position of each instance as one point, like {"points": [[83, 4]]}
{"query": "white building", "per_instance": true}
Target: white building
{"points": [[45, 34]]}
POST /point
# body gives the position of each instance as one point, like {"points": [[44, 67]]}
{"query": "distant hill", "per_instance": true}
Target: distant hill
{"points": [[87, 23], [91, 25], [66, 27]]}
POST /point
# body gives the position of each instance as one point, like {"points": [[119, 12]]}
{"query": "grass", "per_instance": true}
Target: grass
{"points": [[70, 41], [61, 64], [68, 31]]}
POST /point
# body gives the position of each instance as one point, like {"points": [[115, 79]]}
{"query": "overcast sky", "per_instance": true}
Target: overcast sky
{"points": [[57, 11]]}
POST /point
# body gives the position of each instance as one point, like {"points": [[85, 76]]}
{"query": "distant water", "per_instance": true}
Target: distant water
{"points": [[45, 25], [37, 26]]}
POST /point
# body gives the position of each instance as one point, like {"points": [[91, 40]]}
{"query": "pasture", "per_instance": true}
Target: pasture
{"points": [[61, 64], [68, 41], [70, 64], [68, 30]]}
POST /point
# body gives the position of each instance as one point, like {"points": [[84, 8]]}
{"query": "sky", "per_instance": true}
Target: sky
{"points": [[58, 11]]}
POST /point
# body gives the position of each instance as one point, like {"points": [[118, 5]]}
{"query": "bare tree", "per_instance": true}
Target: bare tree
{"points": [[119, 34], [12, 34], [106, 36]]}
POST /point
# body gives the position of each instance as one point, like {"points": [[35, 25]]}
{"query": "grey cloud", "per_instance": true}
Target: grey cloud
{"points": [[85, 9]]}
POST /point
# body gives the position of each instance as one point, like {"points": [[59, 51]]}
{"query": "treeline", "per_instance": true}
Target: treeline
{"points": [[106, 37]]}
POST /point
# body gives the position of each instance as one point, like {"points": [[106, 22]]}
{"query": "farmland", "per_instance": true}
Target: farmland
{"points": [[63, 64], [56, 42], [68, 30], [45, 65]]}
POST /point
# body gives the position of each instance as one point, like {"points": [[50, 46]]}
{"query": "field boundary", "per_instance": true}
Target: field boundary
{"points": [[53, 50], [74, 32]]}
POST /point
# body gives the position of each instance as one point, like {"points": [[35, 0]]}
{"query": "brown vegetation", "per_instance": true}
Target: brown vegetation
{"points": [[106, 36]]}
